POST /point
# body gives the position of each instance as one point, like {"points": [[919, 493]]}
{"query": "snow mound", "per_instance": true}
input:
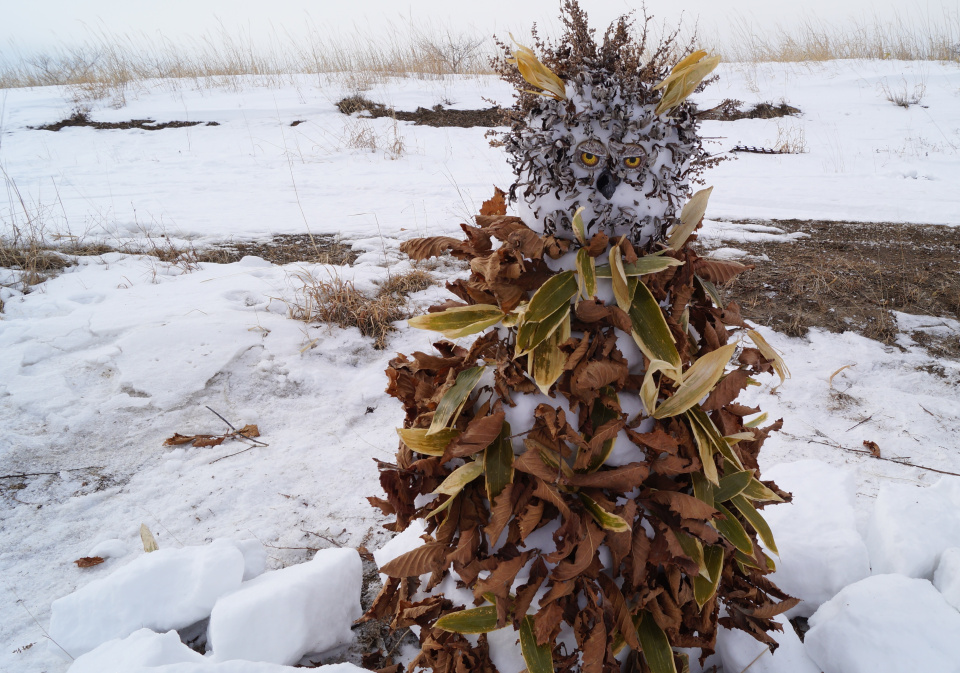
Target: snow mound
{"points": [[166, 589], [912, 526], [147, 652], [285, 614], [142, 648], [885, 624], [947, 577], [740, 651], [112, 548], [821, 550]]}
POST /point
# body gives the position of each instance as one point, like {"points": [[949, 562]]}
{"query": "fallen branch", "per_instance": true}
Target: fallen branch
{"points": [[899, 461], [47, 474]]}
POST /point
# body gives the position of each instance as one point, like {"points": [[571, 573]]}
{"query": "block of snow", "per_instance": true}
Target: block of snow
{"points": [[911, 526], [947, 576], [285, 614], [739, 651], [885, 624], [821, 550], [140, 649], [254, 557], [163, 590]]}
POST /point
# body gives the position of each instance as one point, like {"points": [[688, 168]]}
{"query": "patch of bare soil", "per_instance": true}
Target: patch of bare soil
{"points": [[436, 116], [285, 249], [731, 110], [851, 276], [80, 118]]}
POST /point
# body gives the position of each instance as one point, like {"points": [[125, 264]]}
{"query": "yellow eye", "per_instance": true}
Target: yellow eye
{"points": [[589, 159], [631, 162]]}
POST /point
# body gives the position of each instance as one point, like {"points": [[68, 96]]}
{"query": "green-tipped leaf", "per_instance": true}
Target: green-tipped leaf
{"points": [[532, 334], [578, 227], [606, 520], [711, 291], [547, 358], [586, 274], [651, 332], [474, 620], [699, 416], [732, 485], [599, 415], [706, 449], [754, 518], [552, 295], [643, 266], [498, 463], [450, 405], [755, 490], [731, 528], [620, 291], [704, 588], [693, 548], [538, 658], [460, 477], [698, 381], [654, 644], [459, 321]]}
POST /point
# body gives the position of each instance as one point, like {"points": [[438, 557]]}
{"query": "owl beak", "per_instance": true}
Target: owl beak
{"points": [[607, 184]]}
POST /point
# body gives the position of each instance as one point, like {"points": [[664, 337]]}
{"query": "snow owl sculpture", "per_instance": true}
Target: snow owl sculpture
{"points": [[603, 148], [576, 488]]}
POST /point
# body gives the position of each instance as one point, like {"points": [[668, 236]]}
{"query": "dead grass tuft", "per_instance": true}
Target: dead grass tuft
{"points": [[338, 302]]}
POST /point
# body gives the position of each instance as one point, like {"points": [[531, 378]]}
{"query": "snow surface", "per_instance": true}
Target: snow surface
{"points": [[739, 651], [885, 624], [105, 361], [285, 614], [821, 550], [947, 576], [162, 590]]}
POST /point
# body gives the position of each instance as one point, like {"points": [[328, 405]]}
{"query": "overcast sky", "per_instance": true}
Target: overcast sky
{"points": [[38, 25]]}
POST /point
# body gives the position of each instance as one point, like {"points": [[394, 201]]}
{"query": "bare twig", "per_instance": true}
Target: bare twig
{"points": [[45, 474], [236, 433], [229, 424], [870, 417], [231, 455], [899, 461], [323, 537]]}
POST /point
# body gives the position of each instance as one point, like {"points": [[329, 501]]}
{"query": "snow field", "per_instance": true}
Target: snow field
{"points": [[105, 361]]}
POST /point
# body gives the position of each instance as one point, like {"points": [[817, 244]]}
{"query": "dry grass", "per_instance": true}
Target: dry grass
{"points": [[919, 36], [105, 65], [338, 302], [902, 95]]}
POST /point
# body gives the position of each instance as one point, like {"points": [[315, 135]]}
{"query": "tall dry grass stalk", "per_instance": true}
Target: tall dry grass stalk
{"points": [[111, 62], [917, 36]]}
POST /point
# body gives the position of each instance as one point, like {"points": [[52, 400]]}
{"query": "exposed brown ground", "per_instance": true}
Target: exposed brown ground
{"points": [[436, 116], [850, 276]]}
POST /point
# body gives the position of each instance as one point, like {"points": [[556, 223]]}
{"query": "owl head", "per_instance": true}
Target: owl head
{"points": [[608, 132]]}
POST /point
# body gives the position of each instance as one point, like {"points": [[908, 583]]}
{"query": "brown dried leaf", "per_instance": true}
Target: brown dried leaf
{"points": [[727, 390], [687, 506], [208, 440], [621, 613], [178, 439], [719, 272], [586, 550], [88, 561], [624, 478], [249, 431], [479, 434], [418, 561], [496, 204], [873, 448], [423, 248]]}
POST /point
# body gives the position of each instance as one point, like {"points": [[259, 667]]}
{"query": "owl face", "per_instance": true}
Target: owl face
{"points": [[606, 151]]}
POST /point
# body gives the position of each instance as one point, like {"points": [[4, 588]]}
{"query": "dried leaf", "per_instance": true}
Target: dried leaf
{"points": [[417, 439], [683, 80], [606, 520], [88, 561], [537, 74], [719, 271], [771, 354], [705, 587], [249, 431], [423, 248], [146, 537], [873, 448], [178, 439], [416, 562], [496, 205], [619, 279], [208, 440], [480, 433]]}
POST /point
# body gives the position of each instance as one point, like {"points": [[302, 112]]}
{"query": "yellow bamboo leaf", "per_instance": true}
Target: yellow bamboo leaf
{"points": [[474, 620], [586, 274], [703, 588], [537, 74], [651, 332], [459, 321], [690, 217], [770, 353], [578, 227], [606, 519], [698, 381], [417, 439], [547, 358]]}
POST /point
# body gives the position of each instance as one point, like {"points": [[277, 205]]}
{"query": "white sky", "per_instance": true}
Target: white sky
{"points": [[38, 25]]}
